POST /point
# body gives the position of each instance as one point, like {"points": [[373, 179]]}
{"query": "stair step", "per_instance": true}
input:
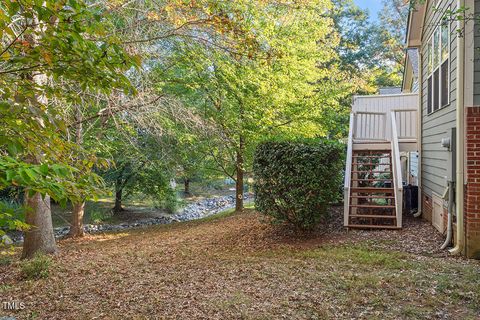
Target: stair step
{"points": [[372, 180], [376, 141], [371, 151], [372, 197], [371, 189], [380, 206], [371, 171], [371, 226], [371, 164], [372, 157], [371, 146], [371, 216]]}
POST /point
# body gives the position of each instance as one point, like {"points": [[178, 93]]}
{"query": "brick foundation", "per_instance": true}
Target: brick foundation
{"points": [[472, 189]]}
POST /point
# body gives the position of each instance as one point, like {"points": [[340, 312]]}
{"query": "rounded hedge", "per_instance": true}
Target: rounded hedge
{"points": [[295, 182]]}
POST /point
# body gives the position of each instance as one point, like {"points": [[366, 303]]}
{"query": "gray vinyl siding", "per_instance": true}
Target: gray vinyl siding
{"points": [[476, 75], [436, 125]]}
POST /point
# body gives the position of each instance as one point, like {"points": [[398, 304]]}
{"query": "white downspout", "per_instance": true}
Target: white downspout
{"points": [[419, 133], [460, 156], [450, 218]]}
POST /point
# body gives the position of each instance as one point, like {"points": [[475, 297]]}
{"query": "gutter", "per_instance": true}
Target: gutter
{"points": [[460, 140]]}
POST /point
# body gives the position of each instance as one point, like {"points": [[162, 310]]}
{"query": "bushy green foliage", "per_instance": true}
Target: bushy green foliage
{"points": [[51, 51], [296, 181], [171, 202], [11, 218], [140, 168], [99, 215], [36, 268]]}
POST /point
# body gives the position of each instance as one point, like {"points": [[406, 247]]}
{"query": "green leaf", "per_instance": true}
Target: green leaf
{"points": [[10, 175], [4, 106], [31, 173], [14, 147], [44, 169]]}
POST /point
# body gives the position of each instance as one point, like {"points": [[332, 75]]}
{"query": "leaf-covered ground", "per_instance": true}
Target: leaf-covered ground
{"points": [[238, 267]]}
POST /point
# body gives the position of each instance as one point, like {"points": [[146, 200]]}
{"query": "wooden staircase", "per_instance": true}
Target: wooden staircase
{"points": [[372, 194], [381, 128]]}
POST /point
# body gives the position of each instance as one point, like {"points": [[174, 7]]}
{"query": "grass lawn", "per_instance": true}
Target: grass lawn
{"points": [[236, 267]]}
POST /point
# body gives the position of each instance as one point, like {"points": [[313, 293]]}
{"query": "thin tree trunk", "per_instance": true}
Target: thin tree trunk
{"points": [[76, 225], [40, 236], [186, 186], [118, 196], [240, 172]]}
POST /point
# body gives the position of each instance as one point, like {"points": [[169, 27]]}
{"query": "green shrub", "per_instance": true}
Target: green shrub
{"points": [[171, 202], [12, 217], [295, 182], [99, 215], [213, 185], [36, 268]]}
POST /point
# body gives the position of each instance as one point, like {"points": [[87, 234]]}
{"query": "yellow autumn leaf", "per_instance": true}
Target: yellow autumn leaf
{"points": [[5, 56], [47, 56], [153, 16]]}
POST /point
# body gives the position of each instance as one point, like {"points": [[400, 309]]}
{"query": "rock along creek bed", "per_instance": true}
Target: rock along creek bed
{"points": [[193, 211]]}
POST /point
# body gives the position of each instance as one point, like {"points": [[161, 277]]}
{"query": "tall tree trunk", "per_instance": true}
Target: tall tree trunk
{"points": [[40, 236], [76, 225], [78, 208], [186, 186], [239, 172], [118, 196]]}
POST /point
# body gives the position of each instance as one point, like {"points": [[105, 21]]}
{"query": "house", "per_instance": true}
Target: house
{"points": [[390, 90], [425, 141]]}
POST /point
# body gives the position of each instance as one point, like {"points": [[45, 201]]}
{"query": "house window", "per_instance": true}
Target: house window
{"points": [[438, 68]]}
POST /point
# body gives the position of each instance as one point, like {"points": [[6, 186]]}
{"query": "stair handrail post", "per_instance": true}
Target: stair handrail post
{"points": [[397, 175], [385, 118], [348, 170]]}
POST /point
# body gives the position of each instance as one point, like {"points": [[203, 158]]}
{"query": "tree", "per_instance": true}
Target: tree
{"points": [[369, 52], [393, 18], [47, 48], [139, 165], [143, 28], [188, 156], [358, 45], [251, 97]]}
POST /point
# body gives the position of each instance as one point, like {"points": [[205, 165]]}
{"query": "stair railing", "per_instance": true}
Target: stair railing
{"points": [[348, 171], [406, 120], [370, 126], [397, 170]]}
